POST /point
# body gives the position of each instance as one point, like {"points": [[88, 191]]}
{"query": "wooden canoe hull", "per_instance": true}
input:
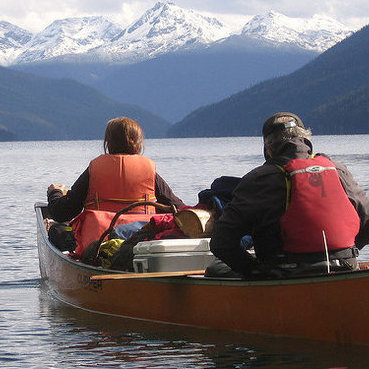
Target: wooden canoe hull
{"points": [[330, 308]]}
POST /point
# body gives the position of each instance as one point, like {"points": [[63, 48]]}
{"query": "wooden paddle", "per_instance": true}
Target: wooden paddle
{"points": [[145, 275]]}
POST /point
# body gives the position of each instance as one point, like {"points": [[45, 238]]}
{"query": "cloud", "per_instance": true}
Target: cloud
{"points": [[131, 11], [35, 15]]}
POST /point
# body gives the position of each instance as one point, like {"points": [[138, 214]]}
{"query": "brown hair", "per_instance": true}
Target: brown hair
{"points": [[123, 136]]}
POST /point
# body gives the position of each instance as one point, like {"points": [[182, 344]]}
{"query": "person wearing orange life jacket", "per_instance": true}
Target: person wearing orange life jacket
{"points": [[324, 214], [116, 180], [113, 180]]}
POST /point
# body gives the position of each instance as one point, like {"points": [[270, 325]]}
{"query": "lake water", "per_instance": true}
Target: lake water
{"points": [[39, 332]]}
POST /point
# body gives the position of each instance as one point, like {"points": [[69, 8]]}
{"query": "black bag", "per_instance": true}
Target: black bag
{"points": [[123, 258], [62, 237]]}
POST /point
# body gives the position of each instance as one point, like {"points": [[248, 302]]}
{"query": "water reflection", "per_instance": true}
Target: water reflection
{"points": [[83, 339]]}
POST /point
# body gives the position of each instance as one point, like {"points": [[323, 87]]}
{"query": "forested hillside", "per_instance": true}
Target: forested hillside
{"points": [[36, 108], [330, 94]]}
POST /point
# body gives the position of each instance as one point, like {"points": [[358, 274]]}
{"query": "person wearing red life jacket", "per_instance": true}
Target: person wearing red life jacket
{"points": [[111, 182], [300, 209]]}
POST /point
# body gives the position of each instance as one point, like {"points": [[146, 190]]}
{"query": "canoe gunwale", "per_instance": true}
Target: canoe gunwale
{"points": [[39, 206]]}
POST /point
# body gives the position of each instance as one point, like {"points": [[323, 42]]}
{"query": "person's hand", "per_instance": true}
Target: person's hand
{"points": [[57, 187]]}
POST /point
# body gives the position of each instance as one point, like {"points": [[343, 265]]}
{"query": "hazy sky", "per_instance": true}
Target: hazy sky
{"points": [[34, 15]]}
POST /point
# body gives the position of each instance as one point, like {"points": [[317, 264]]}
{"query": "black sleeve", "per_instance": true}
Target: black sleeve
{"points": [[360, 201], [233, 224], [164, 193], [225, 245], [257, 203], [64, 208]]}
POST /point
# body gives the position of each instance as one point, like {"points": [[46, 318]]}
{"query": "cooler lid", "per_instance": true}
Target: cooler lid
{"points": [[172, 245]]}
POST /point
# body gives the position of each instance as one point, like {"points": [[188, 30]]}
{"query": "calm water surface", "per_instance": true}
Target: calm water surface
{"points": [[39, 332]]}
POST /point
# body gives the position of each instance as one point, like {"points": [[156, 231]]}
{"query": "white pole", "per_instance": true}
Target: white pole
{"points": [[326, 252]]}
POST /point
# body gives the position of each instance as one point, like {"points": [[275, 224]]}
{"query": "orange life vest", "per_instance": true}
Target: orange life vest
{"points": [[115, 181]]}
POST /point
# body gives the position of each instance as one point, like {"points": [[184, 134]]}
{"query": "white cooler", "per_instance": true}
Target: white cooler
{"points": [[172, 255]]}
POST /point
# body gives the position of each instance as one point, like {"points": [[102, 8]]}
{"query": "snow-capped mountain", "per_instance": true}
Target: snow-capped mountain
{"points": [[317, 33], [12, 41], [163, 29], [69, 36]]}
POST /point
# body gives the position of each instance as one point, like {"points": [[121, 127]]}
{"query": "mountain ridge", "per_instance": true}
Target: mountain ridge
{"points": [[171, 60], [334, 85], [163, 29], [317, 33], [197, 72]]}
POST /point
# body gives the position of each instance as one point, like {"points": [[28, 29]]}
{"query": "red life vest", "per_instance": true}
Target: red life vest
{"points": [[319, 211], [115, 181]]}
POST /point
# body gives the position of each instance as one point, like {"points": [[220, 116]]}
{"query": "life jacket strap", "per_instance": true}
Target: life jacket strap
{"points": [[97, 201], [314, 169]]}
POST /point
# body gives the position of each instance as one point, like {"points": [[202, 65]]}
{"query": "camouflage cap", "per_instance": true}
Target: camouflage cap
{"points": [[281, 120]]}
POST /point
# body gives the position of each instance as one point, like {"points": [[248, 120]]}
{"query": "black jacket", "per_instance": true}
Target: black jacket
{"points": [[259, 201]]}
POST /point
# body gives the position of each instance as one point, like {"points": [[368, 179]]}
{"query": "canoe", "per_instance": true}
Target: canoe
{"points": [[332, 307]]}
